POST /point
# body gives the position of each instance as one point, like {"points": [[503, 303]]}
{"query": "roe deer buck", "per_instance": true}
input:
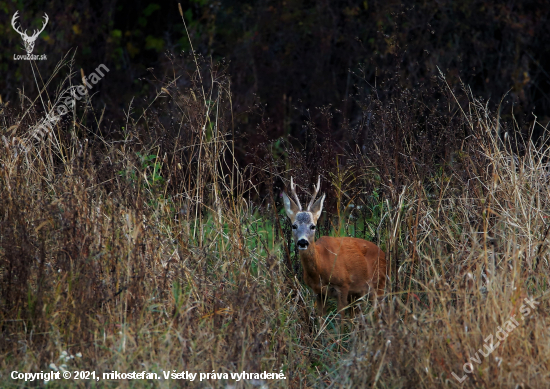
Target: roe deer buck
{"points": [[336, 267]]}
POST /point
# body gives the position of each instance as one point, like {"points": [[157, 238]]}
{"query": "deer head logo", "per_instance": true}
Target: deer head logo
{"points": [[28, 41]]}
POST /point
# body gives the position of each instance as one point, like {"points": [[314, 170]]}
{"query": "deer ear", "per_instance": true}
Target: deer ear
{"points": [[317, 208], [290, 207]]}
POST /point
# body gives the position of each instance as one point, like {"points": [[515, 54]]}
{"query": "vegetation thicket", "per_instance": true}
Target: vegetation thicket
{"points": [[157, 240]]}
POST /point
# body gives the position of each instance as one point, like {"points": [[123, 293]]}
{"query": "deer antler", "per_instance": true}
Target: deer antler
{"points": [[15, 16], [36, 33], [315, 191], [293, 192]]}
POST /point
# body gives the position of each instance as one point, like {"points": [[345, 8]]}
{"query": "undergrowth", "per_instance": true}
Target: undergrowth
{"points": [[157, 250]]}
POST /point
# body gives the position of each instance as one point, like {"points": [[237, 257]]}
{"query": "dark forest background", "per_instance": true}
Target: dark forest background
{"points": [[295, 64]]}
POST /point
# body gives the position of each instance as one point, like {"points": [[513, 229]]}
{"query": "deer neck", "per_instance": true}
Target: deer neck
{"points": [[310, 259]]}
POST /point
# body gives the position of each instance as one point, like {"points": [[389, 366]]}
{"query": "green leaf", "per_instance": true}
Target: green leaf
{"points": [[189, 15], [150, 9], [116, 34], [154, 43]]}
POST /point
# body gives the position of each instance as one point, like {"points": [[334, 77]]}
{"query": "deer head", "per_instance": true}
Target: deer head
{"points": [[28, 41], [303, 222]]}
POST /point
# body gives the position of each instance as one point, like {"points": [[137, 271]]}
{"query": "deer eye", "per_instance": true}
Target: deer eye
{"points": [[294, 227], [312, 227]]}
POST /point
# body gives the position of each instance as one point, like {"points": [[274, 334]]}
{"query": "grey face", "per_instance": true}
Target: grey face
{"points": [[303, 222], [303, 230]]}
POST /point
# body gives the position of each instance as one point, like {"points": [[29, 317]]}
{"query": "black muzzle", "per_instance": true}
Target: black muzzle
{"points": [[302, 244]]}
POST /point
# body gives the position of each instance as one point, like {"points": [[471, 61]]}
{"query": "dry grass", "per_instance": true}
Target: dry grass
{"points": [[148, 253]]}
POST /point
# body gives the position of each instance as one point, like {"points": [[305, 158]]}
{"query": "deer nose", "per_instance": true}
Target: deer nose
{"points": [[302, 244]]}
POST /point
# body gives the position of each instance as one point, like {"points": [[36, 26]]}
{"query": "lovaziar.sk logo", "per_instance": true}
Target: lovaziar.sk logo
{"points": [[28, 41]]}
